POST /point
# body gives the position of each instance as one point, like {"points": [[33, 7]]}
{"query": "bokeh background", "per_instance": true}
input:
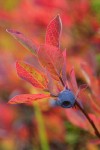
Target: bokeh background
{"points": [[42, 126]]}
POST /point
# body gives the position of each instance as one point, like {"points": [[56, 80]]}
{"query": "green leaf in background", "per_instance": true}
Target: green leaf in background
{"points": [[73, 134], [98, 64], [96, 6], [9, 4], [98, 58]]}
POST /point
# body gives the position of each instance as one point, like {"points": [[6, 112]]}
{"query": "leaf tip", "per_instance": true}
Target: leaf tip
{"points": [[59, 19], [58, 16], [7, 30], [10, 102], [12, 31]]}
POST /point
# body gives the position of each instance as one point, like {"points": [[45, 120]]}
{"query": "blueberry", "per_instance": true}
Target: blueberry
{"points": [[66, 99]]}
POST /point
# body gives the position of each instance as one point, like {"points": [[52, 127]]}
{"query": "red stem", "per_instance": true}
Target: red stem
{"points": [[61, 81], [91, 122]]}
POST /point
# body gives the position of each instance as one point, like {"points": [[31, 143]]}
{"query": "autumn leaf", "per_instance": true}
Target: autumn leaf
{"points": [[27, 98], [53, 32], [25, 41], [87, 72], [53, 85], [95, 104], [52, 59], [64, 70], [73, 80], [91, 80], [83, 86], [32, 75], [76, 117]]}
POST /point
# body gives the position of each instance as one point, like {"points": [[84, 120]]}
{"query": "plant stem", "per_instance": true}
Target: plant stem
{"points": [[41, 128], [61, 81], [91, 122]]}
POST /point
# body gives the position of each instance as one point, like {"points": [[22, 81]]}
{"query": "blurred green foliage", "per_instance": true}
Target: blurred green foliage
{"points": [[9, 4]]}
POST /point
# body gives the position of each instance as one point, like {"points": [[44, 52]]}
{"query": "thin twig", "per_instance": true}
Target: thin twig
{"points": [[61, 81], [86, 115]]}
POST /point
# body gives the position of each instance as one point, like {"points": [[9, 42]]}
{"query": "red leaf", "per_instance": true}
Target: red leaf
{"points": [[53, 32], [95, 142], [87, 72], [26, 42], [95, 119], [81, 89], [52, 59], [92, 81], [32, 75], [83, 86], [64, 71], [77, 118], [27, 98], [73, 80], [53, 85], [95, 104]]}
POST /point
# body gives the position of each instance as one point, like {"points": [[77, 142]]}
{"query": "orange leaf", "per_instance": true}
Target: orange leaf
{"points": [[73, 80], [52, 59], [32, 75], [27, 98], [64, 71], [53, 32], [26, 42]]}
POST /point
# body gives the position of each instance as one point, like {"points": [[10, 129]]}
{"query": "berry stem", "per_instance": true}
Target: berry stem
{"points": [[90, 121], [61, 81]]}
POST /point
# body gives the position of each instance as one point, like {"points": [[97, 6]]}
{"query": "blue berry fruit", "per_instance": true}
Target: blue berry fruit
{"points": [[66, 99]]}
